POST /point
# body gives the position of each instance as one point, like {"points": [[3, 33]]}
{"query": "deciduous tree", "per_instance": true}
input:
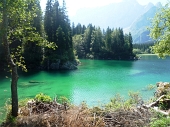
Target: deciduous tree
{"points": [[17, 29], [160, 31]]}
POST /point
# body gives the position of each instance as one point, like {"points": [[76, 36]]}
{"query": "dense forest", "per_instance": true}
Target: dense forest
{"points": [[93, 43], [31, 40], [46, 43], [74, 42], [143, 48]]}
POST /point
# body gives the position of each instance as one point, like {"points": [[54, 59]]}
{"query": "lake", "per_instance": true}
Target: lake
{"points": [[95, 82]]}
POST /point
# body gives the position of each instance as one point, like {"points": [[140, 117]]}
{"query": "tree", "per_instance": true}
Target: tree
{"points": [[58, 29], [2, 59], [96, 42], [16, 28], [32, 52], [108, 39], [78, 46], [86, 41], [160, 31]]}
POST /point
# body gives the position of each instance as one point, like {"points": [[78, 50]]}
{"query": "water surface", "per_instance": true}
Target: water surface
{"points": [[96, 81]]}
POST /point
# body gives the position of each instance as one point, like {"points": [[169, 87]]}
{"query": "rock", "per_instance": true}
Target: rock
{"points": [[55, 65], [69, 66]]}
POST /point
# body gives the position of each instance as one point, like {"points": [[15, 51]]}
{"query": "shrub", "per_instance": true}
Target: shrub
{"points": [[162, 122], [64, 100], [43, 98]]}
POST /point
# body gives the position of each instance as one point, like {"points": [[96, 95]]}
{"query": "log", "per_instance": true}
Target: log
{"points": [[155, 107], [161, 111], [35, 81]]}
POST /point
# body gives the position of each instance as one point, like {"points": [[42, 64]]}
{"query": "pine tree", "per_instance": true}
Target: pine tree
{"points": [[96, 42], [108, 39], [58, 30]]}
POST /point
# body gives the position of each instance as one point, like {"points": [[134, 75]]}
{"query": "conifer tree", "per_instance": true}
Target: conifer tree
{"points": [[58, 30]]}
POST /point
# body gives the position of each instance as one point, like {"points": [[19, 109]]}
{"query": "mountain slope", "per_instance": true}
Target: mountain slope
{"points": [[128, 14], [139, 27], [114, 15]]}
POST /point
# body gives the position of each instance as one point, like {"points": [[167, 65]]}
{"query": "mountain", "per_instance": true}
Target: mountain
{"points": [[128, 14], [113, 15], [139, 27]]}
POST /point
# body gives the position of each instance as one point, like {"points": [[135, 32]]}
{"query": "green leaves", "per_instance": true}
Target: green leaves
{"points": [[43, 98], [160, 31], [58, 30]]}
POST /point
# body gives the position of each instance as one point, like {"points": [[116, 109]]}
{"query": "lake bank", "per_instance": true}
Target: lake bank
{"points": [[95, 81]]}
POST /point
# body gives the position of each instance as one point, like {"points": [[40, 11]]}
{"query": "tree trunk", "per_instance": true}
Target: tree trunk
{"points": [[13, 66]]}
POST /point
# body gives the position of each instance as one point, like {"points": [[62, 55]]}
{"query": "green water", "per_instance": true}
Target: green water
{"points": [[95, 82]]}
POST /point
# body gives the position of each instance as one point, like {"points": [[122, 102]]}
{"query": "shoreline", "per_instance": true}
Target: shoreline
{"points": [[147, 55]]}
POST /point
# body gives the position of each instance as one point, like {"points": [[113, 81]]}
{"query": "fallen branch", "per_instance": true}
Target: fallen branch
{"points": [[161, 111], [154, 103]]}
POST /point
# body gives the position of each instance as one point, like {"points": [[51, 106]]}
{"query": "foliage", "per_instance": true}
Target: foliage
{"points": [[64, 100], [97, 110], [8, 109], [16, 30], [150, 87], [118, 102], [134, 97], [160, 31], [23, 102], [144, 48], [83, 116], [92, 43], [160, 122], [163, 104], [42, 98], [58, 30], [33, 49], [115, 103]]}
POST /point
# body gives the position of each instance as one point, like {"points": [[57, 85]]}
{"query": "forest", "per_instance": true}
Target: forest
{"points": [[50, 42], [92, 43], [30, 39], [143, 48]]}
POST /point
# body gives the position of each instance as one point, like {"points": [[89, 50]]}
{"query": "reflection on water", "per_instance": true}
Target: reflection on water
{"points": [[96, 81]]}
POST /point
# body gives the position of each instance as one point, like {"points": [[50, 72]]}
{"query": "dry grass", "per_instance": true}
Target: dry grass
{"points": [[57, 115]]}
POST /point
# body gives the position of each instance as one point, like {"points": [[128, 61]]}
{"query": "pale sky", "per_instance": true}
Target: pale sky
{"points": [[75, 5]]}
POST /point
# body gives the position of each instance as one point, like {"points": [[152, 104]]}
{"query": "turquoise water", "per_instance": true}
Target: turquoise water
{"points": [[96, 81]]}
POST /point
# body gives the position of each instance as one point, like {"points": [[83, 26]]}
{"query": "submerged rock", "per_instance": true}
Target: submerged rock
{"points": [[32, 81]]}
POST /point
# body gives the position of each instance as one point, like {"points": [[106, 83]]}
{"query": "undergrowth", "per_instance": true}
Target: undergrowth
{"points": [[117, 112]]}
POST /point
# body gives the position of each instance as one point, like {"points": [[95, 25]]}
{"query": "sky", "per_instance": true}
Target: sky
{"points": [[74, 5]]}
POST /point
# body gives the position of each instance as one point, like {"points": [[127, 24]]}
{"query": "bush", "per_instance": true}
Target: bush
{"points": [[64, 100], [43, 98], [162, 122]]}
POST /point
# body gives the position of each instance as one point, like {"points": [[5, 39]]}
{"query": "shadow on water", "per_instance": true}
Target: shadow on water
{"points": [[28, 84], [29, 73], [61, 72], [4, 75], [33, 72], [118, 63]]}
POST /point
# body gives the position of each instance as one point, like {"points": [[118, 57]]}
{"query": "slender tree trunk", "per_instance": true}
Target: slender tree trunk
{"points": [[13, 66]]}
